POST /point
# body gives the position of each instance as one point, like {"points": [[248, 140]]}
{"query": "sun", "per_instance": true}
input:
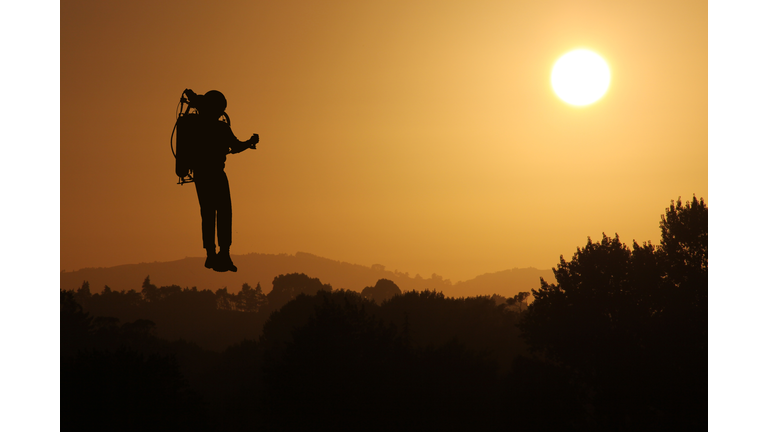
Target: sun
{"points": [[580, 77]]}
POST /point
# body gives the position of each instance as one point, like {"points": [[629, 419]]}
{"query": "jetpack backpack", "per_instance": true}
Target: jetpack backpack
{"points": [[188, 136]]}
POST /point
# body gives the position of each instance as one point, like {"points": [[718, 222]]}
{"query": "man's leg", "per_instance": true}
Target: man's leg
{"points": [[207, 199], [224, 223], [224, 213]]}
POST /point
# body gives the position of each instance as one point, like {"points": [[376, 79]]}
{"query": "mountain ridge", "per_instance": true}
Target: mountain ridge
{"points": [[261, 268]]}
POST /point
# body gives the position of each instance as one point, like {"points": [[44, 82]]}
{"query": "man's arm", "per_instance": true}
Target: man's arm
{"points": [[237, 146]]}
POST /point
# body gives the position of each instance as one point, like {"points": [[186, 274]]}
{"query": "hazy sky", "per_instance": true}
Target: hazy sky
{"points": [[423, 136]]}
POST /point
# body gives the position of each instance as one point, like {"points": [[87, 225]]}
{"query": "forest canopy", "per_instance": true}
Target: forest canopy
{"points": [[617, 341]]}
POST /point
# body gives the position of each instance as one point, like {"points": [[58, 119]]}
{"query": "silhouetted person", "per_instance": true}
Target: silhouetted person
{"points": [[216, 141]]}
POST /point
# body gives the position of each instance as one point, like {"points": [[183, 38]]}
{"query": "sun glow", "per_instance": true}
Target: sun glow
{"points": [[580, 77]]}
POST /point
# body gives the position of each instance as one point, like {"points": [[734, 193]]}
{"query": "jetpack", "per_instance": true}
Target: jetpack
{"points": [[188, 139]]}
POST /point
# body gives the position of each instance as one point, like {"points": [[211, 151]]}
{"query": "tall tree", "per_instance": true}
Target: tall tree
{"points": [[150, 292], [250, 299], [684, 247], [630, 325]]}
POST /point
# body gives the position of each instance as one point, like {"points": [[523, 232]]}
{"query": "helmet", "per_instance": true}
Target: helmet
{"points": [[215, 101]]}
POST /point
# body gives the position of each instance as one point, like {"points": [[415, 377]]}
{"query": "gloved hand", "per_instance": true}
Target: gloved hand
{"points": [[253, 140]]}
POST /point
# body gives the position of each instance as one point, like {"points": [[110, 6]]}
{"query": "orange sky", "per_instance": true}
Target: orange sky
{"points": [[420, 135]]}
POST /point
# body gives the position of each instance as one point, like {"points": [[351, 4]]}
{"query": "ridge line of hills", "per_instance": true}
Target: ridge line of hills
{"points": [[260, 268]]}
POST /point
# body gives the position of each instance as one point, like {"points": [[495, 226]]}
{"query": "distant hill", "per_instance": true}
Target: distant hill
{"points": [[263, 268], [505, 283]]}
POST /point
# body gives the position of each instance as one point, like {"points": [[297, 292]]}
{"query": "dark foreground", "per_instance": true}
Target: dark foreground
{"points": [[618, 342]]}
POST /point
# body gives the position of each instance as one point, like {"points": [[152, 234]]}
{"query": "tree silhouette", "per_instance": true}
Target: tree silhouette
{"points": [[519, 302], [476, 322], [681, 332], [83, 294], [150, 292], [225, 300], [278, 329], [382, 291], [250, 299], [348, 369], [287, 287], [684, 236], [337, 369], [630, 325], [75, 325], [684, 252]]}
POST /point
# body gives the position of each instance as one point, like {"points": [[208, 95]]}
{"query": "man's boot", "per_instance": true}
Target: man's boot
{"points": [[210, 261], [224, 261]]}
